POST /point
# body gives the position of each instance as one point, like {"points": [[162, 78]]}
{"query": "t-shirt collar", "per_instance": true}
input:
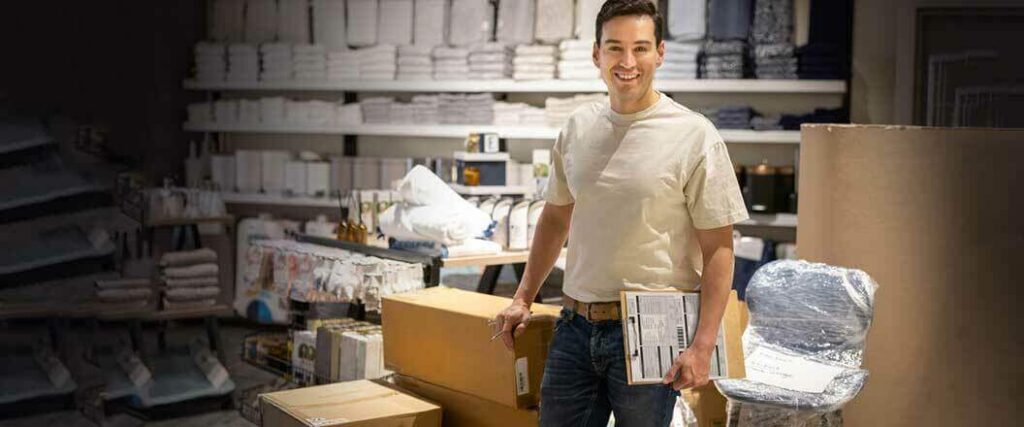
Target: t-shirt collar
{"points": [[625, 119]]}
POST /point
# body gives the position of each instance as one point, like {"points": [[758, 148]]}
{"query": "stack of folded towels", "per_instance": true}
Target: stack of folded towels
{"points": [[343, 65], [490, 61], [277, 62], [558, 110], [775, 61], [378, 62], [310, 62], [459, 108], [426, 109], [348, 114], [377, 109], [733, 117], [272, 109], [508, 113], [577, 60], [243, 63], [402, 113], [771, 37], [534, 62], [210, 63], [724, 59], [451, 63], [225, 111], [191, 279], [309, 112], [415, 63], [124, 293], [680, 61]]}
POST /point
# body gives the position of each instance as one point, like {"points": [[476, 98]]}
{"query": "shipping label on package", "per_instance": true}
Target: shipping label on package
{"points": [[657, 326]]}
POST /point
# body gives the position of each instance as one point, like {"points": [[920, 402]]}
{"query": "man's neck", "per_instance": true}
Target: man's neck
{"points": [[630, 106]]}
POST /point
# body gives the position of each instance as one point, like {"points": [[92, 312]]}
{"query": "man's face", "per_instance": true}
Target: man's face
{"points": [[627, 55]]}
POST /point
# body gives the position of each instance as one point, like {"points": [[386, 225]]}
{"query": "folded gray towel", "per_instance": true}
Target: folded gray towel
{"points": [[191, 272], [123, 283], [186, 283], [191, 294], [187, 258]]}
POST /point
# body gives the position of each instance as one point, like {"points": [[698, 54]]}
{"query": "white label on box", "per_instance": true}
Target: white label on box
{"points": [[522, 376], [790, 372]]}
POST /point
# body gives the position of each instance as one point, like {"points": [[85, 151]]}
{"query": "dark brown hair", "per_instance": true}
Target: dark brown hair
{"points": [[615, 8]]}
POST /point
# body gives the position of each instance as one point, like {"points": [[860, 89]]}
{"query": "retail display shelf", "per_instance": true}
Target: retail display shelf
{"points": [[530, 86], [507, 257], [771, 220], [491, 190], [278, 200], [458, 131], [173, 222]]}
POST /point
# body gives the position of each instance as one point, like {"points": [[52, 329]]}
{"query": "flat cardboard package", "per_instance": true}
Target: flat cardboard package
{"points": [[934, 216], [443, 336], [350, 404], [465, 410], [707, 404]]}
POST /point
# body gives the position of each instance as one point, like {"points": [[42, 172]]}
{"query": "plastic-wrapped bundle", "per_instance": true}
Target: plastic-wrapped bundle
{"points": [[812, 313], [515, 21], [329, 24], [471, 22]]}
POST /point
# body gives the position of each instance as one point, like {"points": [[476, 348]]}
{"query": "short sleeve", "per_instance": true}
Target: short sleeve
{"points": [[713, 196], [557, 191]]}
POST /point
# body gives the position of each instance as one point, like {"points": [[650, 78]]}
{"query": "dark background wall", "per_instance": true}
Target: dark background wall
{"points": [[113, 63]]}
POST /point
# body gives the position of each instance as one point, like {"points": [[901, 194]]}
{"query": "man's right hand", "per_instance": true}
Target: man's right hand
{"points": [[512, 321]]}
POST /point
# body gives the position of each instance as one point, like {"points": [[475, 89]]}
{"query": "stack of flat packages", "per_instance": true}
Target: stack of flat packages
{"points": [[378, 62], [243, 63], [534, 62], [310, 62], [426, 109], [577, 60], [349, 350], [680, 61], [466, 108], [451, 63], [771, 40], [490, 61], [124, 293], [210, 63], [377, 109], [190, 279], [278, 64], [415, 63]]}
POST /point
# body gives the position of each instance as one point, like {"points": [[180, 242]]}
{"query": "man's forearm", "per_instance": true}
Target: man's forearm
{"points": [[552, 229], [716, 282]]}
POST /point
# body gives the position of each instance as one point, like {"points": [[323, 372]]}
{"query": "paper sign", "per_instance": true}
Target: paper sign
{"points": [[789, 372]]}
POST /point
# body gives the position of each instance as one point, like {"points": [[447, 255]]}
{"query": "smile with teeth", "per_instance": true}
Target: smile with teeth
{"points": [[623, 75]]}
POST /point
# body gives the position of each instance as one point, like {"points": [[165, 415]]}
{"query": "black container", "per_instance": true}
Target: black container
{"points": [[785, 190], [762, 189]]}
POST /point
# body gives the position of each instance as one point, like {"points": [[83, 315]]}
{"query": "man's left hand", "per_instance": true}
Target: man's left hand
{"points": [[689, 369]]}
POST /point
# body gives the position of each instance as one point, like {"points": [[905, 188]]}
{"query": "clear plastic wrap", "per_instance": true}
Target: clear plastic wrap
{"points": [[814, 312]]}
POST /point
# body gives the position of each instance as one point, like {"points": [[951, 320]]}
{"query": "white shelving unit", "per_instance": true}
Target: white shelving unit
{"points": [[530, 86], [278, 200], [458, 131], [771, 220]]}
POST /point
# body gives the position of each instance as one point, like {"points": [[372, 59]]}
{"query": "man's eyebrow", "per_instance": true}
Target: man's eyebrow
{"points": [[646, 42]]}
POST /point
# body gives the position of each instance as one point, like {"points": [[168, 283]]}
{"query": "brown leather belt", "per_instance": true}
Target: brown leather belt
{"points": [[594, 311]]}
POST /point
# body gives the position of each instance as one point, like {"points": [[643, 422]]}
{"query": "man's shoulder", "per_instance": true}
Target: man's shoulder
{"points": [[677, 114], [588, 112]]}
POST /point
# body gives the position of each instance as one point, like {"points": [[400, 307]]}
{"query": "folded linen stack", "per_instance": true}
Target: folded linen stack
{"points": [[124, 293], [430, 22], [451, 63], [533, 116], [426, 109], [272, 109], [343, 65], [534, 62], [577, 60], [348, 114], [329, 24], [490, 61], [466, 109], [210, 63], [191, 278], [733, 117], [775, 61], [310, 62], [765, 123], [293, 21], [725, 59], [225, 111], [515, 21], [415, 63], [228, 21], [310, 112], [248, 111], [471, 22], [557, 110], [377, 109], [277, 62], [395, 21], [680, 61], [378, 62], [243, 63], [508, 113], [402, 113], [771, 37]]}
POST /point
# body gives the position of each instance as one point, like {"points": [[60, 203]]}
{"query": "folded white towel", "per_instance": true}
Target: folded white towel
{"points": [[536, 49], [186, 258], [527, 60], [123, 283], [191, 294], [197, 282], [194, 271]]}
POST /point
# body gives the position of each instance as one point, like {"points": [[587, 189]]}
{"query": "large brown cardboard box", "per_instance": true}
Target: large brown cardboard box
{"points": [[443, 336], [934, 216], [465, 410], [707, 404], [350, 404]]}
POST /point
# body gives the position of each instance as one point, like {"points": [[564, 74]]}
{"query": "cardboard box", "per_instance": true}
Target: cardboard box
{"points": [[443, 336], [329, 341], [707, 404], [465, 410], [350, 404]]}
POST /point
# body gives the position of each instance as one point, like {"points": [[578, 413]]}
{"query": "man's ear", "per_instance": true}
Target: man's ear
{"points": [[594, 53], [661, 52]]}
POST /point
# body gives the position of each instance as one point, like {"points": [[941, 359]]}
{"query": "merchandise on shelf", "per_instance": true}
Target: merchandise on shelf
{"points": [[576, 60], [329, 24]]}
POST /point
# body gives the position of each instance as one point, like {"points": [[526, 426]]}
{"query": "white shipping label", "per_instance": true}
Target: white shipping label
{"points": [[790, 372], [658, 326], [522, 376]]}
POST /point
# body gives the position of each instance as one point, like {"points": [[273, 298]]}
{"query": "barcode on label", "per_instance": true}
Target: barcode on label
{"points": [[522, 380], [681, 337]]}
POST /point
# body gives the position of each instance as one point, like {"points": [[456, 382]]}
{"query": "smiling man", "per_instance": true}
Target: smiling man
{"points": [[646, 194]]}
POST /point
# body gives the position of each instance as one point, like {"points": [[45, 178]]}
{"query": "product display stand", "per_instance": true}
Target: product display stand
{"points": [[431, 263]]}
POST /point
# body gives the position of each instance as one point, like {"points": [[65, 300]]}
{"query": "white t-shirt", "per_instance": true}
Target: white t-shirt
{"points": [[642, 184]]}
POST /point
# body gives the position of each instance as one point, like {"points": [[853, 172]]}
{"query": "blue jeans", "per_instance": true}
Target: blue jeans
{"points": [[585, 380]]}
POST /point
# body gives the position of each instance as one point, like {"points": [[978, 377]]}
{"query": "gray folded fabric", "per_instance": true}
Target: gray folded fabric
{"points": [[194, 271], [187, 258], [191, 294], [117, 295], [191, 283], [178, 305], [774, 49]]}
